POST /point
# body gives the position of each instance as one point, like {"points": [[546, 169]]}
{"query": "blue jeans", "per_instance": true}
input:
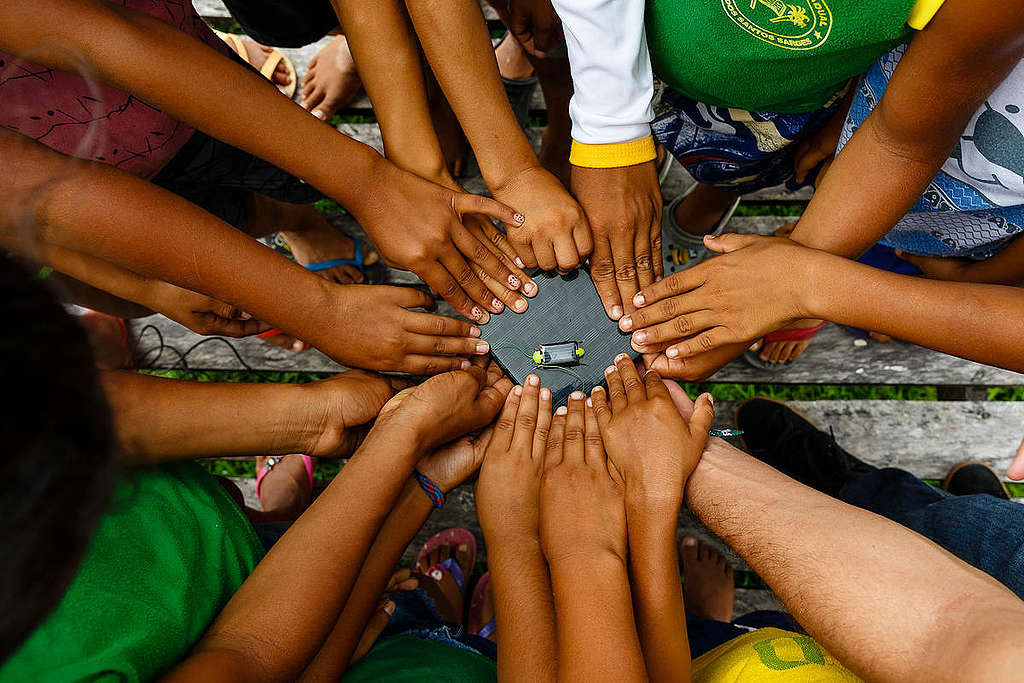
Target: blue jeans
{"points": [[985, 532]]}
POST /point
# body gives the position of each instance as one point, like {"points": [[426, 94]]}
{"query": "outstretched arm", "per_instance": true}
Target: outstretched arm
{"points": [[854, 580]]}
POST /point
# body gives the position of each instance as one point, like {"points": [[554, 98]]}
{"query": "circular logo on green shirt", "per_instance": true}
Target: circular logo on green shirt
{"points": [[796, 25]]}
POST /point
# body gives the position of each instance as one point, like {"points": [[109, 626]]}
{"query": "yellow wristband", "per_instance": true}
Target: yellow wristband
{"points": [[613, 155], [922, 13]]}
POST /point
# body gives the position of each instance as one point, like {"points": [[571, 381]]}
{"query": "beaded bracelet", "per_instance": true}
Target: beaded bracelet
{"points": [[433, 491]]}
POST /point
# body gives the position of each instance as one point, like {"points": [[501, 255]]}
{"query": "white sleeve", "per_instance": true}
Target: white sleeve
{"points": [[611, 70]]}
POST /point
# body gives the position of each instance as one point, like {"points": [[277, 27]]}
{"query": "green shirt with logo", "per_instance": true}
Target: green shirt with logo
{"points": [[770, 55]]}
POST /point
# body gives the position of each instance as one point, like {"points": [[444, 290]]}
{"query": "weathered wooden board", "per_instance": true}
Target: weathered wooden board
{"points": [[215, 9]]}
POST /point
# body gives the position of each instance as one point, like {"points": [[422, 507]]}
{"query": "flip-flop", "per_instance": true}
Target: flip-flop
{"points": [[476, 605], [753, 358], [267, 70], [519, 92], [677, 244], [450, 537], [274, 460]]}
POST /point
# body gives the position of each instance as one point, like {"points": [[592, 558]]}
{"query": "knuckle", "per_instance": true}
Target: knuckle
{"points": [[527, 421], [439, 346], [573, 434], [465, 275], [704, 342], [626, 272], [682, 325], [505, 424], [643, 262], [450, 289], [594, 441]]}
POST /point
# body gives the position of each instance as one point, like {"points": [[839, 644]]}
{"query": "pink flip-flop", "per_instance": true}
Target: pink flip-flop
{"points": [[450, 537], [476, 605], [272, 461]]}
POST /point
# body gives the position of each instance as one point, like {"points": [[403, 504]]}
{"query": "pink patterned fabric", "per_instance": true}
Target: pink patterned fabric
{"points": [[91, 121]]}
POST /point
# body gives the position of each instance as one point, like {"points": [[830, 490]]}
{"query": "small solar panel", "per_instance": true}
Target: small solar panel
{"points": [[565, 310]]}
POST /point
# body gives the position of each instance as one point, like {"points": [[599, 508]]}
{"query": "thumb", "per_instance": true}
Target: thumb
{"points": [[1016, 471], [464, 203], [378, 622], [730, 241], [703, 415]]}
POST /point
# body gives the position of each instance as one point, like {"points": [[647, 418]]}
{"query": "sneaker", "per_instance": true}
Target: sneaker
{"points": [[972, 477], [783, 438], [681, 250]]}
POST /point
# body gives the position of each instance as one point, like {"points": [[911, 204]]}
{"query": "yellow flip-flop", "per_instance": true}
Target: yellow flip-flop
{"points": [[273, 59]]}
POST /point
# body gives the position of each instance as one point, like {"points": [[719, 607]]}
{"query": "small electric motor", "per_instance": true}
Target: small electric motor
{"points": [[566, 353]]}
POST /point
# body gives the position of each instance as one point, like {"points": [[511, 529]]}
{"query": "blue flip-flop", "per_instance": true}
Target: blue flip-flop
{"points": [[356, 260]]}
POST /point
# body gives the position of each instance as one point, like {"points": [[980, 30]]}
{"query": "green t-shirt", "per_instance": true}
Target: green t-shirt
{"points": [[166, 558], [408, 658], [781, 56]]}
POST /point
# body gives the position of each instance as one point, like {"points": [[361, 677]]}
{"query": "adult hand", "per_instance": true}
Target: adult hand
{"points": [[534, 23], [623, 207], [419, 226], [555, 234], [508, 490], [375, 330], [758, 285], [339, 406], [447, 406], [582, 494], [647, 438], [200, 313]]}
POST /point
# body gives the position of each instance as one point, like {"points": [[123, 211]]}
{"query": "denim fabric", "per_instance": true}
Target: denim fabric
{"points": [[416, 615], [707, 634], [983, 531]]}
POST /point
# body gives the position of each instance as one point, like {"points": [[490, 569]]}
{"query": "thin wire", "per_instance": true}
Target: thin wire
{"points": [[542, 366]]}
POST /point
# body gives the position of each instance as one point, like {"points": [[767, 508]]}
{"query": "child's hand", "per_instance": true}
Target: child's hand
{"points": [[582, 494], [447, 406], [375, 329], [200, 313], [555, 235], [508, 490], [758, 285], [339, 406], [647, 438], [419, 226]]}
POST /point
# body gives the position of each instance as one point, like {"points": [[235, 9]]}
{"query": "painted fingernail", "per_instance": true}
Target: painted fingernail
{"points": [[590, 403], [519, 218], [673, 352], [616, 312], [545, 394], [626, 323], [497, 305], [389, 607], [464, 365], [597, 389], [514, 281], [520, 305], [530, 288], [474, 331], [533, 380], [640, 337], [639, 300], [561, 410], [621, 356], [517, 390], [519, 262], [609, 370], [319, 114], [245, 316], [476, 313], [755, 346], [297, 346], [482, 347], [577, 396]]}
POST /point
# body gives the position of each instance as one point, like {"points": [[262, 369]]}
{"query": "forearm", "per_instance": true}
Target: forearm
{"points": [[110, 215], [104, 33], [157, 419], [277, 621], [597, 639], [411, 510], [658, 593], [390, 65], [458, 47], [980, 322], [851, 578], [523, 607]]}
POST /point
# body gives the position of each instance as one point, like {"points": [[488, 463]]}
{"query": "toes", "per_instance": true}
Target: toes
{"points": [[690, 549]]}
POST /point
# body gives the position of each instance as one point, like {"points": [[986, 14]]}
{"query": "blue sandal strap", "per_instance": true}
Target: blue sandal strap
{"points": [[487, 629], [453, 568], [356, 260]]}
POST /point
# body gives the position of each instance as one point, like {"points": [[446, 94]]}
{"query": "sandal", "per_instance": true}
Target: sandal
{"points": [[450, 537], [753, 358], [476, 605], [274, 460], [680, 249], [519, 92], [273, 59]]}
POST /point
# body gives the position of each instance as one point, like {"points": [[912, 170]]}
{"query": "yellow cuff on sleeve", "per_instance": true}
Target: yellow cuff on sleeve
{"points": [[612, 155], [924, 11]]}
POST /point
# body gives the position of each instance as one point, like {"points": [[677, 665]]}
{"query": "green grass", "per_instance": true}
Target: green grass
{"points": [[783, 209]]}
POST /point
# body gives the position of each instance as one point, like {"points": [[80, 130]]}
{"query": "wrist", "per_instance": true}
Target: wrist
{"points": [[813, 293], [500, 173]]}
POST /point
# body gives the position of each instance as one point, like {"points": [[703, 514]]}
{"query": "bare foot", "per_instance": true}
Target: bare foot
{"points": [[286, 342], [700, 212], [284, 491], [312, 240], [440, 585], [708, 589], [108, 338], [331, 80], [257, 55], [788, 351], [512, 61]]}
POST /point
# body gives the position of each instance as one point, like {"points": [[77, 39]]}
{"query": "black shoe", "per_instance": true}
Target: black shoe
{"points": [[783, 438], [972, 477]]}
